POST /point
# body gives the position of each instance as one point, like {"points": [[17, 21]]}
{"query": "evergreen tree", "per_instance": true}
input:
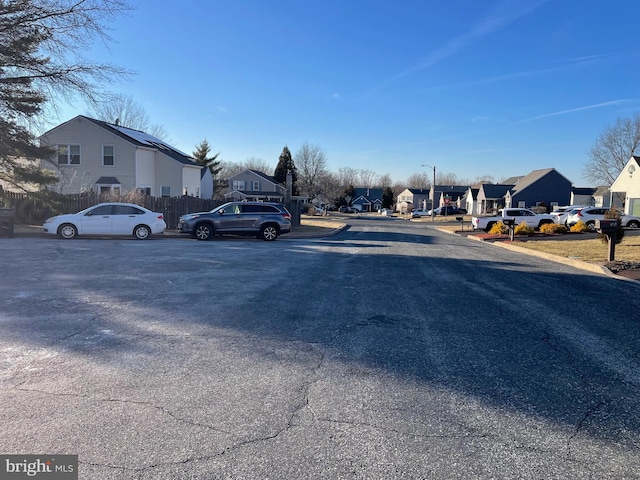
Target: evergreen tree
{"points": [[387, 197], [285, 164], [41, 45], [201, 156]]}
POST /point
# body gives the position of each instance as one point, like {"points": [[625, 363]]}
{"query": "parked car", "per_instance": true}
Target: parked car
{"points": [[348, 210], [589, 215], [449, 210], [561, 214], [265, 220], [387, 212], [419, 213], [107, 219]]}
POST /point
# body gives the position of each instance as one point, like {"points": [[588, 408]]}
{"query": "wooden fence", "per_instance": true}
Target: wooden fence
{"points": [[34, 207]]}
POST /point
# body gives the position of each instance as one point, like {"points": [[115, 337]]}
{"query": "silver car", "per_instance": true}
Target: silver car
{"points": [[265, 220]]}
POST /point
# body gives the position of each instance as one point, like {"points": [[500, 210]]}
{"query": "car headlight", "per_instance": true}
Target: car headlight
{"points": [[50, 219], [185, 218]]}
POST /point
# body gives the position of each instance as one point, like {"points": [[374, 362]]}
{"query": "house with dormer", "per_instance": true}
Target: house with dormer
{"points": [[92, 155]]}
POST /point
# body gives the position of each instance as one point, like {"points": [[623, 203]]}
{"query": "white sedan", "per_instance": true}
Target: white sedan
{"points": [[107, 219]]}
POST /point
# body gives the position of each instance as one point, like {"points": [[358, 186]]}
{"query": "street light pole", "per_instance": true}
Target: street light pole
{"points": [[433, 198]]}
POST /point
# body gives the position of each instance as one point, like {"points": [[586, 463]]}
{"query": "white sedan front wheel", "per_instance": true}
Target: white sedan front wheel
{"points": [[68, 231]]}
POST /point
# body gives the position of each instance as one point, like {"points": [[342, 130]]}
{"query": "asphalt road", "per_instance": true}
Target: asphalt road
{"points": [[390, 350]]}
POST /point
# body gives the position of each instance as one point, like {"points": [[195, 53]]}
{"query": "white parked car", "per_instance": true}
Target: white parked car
{"points": [[561, 214], [387, 212], [589, 215], [419, 213], [107, 219]]}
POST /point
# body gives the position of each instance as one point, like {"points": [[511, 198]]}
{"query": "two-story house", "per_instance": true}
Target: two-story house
{"points": [[253, 185], [92, 155]]}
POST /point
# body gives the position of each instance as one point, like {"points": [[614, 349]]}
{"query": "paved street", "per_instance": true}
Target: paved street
{"points": [[390, 350]]}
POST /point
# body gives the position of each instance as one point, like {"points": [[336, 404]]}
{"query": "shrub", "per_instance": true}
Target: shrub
{"points": [[523, 229], [579, 227], [553, 228], [499, 228]]}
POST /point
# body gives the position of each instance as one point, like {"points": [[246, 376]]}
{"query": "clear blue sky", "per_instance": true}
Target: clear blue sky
{"points": [[474, 87]]}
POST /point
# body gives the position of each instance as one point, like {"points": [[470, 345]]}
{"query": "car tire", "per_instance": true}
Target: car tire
{"points": [[591, 225], [269, 232], [203, 231], [489, 226], [633, 224], [142, 232], [67, 231]]}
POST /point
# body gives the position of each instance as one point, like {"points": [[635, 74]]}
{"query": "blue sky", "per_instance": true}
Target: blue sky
{"points": [[473, 87]]}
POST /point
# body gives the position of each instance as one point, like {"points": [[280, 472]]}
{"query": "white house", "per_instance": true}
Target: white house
{"points": [[93, 155], [627, 184]]}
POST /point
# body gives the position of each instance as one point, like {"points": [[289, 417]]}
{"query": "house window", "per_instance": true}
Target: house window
{"points": [[108, 155], [522, 204], [165, 191], [238, 185], [256, 186], [68, 154], [145, 191]]}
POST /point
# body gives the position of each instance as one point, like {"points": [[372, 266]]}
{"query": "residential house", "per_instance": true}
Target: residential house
{"points": [[469, 201], [491, 197], [92, 155], [540, 187], [627, 184], [367, 199], [253, 185], [583, 196], [602, 197], [413, 198], [448, 194]]}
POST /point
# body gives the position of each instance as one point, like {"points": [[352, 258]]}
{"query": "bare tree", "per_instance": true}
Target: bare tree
{"points": [[384, 180], [366, 178], [347, 176], [311, 163], [418, 180], [124, 110], [612, 150]]}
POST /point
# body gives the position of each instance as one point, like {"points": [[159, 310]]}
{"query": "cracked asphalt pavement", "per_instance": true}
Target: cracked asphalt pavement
{"points": [[390, 350]]}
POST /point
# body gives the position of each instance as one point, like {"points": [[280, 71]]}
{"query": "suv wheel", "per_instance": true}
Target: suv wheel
{"points": [[269, 233], [203, 231]]}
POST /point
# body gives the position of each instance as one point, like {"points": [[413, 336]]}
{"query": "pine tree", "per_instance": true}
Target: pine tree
{"points": [[286, 164], [201, 156], [41, 46]]}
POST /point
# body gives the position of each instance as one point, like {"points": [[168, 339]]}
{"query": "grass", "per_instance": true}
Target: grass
{"points": [[591, 250]]}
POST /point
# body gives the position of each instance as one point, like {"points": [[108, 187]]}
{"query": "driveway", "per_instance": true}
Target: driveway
{"points": [[389, 350]]}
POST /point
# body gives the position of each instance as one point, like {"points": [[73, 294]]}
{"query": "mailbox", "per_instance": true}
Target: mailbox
{"points": [[511, 225], [608, 226]]}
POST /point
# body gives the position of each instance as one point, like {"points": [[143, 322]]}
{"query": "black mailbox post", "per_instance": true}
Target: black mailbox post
{"points": [[511, 224], [609, 228], [461, 220]]}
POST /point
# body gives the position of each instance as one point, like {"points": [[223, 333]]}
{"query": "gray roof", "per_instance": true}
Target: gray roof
{"points": [[532, 178], [107, 181], [495, 190]]}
